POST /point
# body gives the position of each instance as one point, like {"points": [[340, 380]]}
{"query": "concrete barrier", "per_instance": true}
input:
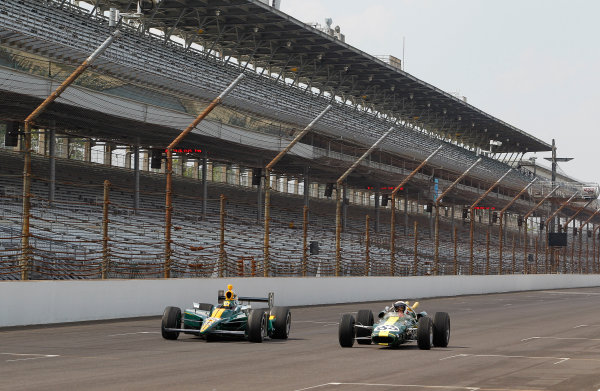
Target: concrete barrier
{"points": [[42, 302]]}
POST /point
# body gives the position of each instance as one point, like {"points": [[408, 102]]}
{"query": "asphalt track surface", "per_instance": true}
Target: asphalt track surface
{"points": [[541, 340]]}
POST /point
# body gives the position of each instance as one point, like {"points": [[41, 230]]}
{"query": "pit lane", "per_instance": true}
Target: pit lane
{"points": [[540, 340]]}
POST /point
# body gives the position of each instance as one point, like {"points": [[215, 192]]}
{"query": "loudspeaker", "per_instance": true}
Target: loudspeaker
{"points": [[494, 217], [541, 225], [429, 207], [314, 247], [328, 190], [574, 231], [589, 233], [156, 159], [11, 138], [520, 221], [557, 239], [256, 176], [384, 199], [465, 213]]}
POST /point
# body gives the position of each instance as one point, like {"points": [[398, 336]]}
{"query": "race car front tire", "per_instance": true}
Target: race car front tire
{"points": [[441, 329], [171, 319], [425, 333], [346, 331], [365, 318], [283, 322], [257, 325]]}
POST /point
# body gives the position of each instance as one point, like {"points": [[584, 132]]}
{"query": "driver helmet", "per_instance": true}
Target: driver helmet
{"points": [[400, 306]]}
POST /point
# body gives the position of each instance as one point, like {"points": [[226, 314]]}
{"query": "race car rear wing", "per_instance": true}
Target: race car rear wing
{"points": [[270, 300]]}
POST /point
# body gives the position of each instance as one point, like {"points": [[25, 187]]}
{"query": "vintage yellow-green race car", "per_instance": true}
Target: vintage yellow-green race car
{"points": [[231, 317], [397, 325]]}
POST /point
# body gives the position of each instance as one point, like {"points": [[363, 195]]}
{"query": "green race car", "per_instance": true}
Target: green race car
{"points": [[397, 325], [230, 317]]}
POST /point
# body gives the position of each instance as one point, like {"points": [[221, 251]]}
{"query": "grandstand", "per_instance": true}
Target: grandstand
{"points": [[170, 60]]}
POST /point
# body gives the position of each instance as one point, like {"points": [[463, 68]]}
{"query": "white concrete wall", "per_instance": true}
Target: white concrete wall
{"points": [[40, 302]]}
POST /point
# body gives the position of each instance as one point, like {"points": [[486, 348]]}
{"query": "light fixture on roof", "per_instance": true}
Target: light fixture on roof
{"points": [[370, 77], [288, 44], [459, 118], [346, 68], [485, 130], [472, 124], [428, 104], [392, 88], [218, 12], [255, 29], [320, 56], [410, 95], [444, 111]]}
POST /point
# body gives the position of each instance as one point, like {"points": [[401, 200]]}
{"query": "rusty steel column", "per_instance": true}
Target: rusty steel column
{"points": [[168, 213], [587, 255], [25, 234], [487, 252], [525, 247], [572, 256], [338, 199], [367, 243], [304, 240], [501, 222], [416, 260], [105, 251], [436, 251], [455, 251], [514, 255], [566, 224], [597, 253], [267, 228], [214, 103], [268, 168], [25, 247], [393, 236], [472, 222], [536, 256], [222, 254]]}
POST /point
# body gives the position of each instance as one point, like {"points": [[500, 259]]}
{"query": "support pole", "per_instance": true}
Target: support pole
{"points": [[25, 248], [393, 235], [105, 253], [501, 221], [472, 222], [304, 240], [168, 204], [338, 209], [487, 252], [52, 145], [455, 250], [394, 192], [136, 178], [436, 251], [222, 254], [204, 184], [416, 249], [367, 243], [268, 169]]}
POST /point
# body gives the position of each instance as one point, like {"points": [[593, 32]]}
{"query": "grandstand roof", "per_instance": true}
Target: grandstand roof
{"points": [[251, 31]]}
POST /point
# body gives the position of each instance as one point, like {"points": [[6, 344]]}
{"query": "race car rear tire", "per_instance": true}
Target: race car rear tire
{"points": [[171, 319], [346, 331], [364, 317], [283, 322], [257, 325], [441, 329], [425, 333]]}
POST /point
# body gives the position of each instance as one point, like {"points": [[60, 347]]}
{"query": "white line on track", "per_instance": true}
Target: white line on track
{"points": [[585, 339], [571, 293], [139, 332], [410, 386], [581, 325], [560, 359], [35, 356]]}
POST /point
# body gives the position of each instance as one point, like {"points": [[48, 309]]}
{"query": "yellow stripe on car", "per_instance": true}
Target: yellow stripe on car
{"points": [[217, 313], [384, 333], [392, 320]]}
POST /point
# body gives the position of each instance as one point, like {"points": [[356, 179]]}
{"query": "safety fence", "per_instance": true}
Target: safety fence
{"points": [[91, 230]]}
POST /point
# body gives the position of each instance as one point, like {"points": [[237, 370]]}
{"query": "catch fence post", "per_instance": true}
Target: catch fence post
{"points": [[105, 251], [416, 260], [222, 254], [455, 250], [367, 243], [487, 252], [304, 240]]}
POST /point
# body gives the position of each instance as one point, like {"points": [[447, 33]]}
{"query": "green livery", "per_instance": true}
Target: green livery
{"points": [[396, 325], [232, 316]]}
